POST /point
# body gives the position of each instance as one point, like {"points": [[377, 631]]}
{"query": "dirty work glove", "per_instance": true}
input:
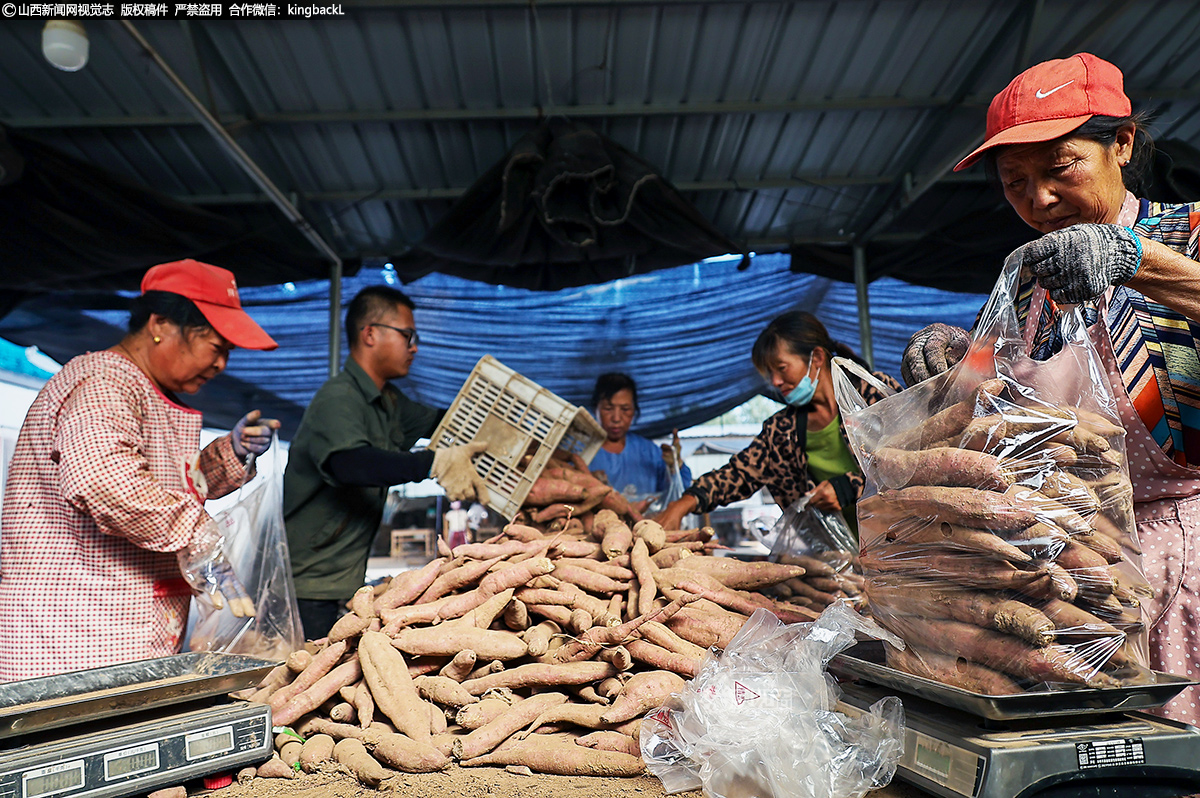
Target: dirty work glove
{"points": [[1079, 262], [204, 566], [932, 350], [252, 435], [454, 471]]}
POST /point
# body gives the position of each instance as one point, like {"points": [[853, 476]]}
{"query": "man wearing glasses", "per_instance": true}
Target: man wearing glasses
{"points": [[353, 443]]}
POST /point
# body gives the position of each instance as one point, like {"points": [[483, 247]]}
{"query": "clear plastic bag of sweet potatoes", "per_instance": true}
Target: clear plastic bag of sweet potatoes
{"points": [[997, 532]]}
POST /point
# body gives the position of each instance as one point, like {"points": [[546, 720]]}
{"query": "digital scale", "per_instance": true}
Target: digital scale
{"points": [[1081, 743], [130, 729]]}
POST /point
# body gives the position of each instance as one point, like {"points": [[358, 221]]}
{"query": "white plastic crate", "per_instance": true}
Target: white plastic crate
{"points": [[522, 423]]}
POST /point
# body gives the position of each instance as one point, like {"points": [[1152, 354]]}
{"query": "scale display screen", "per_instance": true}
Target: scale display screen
{"points": [[54, 779], [141, 759], [930, 760], [209, 742]]}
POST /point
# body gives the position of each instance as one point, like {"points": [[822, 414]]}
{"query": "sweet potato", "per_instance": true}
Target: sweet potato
{"points": [[705, 628], [512, 720], [316, 751], [643, 692], [542, 675], [318, 666], [386, 673], [348, 626], [961, 538], [589, 580], [1001, 652], [355, 757], [475, 716], [460, 665], [951, 670], [950, 467], [615, 536], [966, 506], [984, 609], [652, 532], [408, 755], [364, 705], [661, 658], [598, 636], [275, 768], [670, 555], [644, 568], [448, 639], [443, 690], [606, 740], [741, 575], [456, 578], [962, 569], [560, 758], [407, 586], [946, 423], [321, 691], [547, 490]]}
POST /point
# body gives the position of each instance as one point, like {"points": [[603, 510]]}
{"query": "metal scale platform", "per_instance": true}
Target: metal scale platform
{"points": [[130, 729], [1082, 743]]}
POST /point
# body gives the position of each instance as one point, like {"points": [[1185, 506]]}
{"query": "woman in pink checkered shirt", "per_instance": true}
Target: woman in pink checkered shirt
{"points": [[104, 536]]}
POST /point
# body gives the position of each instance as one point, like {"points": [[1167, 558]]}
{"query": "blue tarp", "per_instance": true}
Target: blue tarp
{"points": [[684, 334]]}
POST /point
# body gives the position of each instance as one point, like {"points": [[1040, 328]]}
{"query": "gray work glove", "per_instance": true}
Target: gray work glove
{"points": [[931, 351], [252, 434], [1079, 262], [454, 471], [204, 566]]}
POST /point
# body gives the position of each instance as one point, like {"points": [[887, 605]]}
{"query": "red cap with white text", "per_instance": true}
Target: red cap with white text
{"points": [[1051, 99], [215, 293]]}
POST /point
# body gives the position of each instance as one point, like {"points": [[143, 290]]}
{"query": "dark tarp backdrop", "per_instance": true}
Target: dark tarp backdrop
{"points": [[684, 334], [566, 206]]}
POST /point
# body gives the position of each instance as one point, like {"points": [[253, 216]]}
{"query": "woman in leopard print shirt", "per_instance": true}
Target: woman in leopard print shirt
{"points": [[802, 449]]}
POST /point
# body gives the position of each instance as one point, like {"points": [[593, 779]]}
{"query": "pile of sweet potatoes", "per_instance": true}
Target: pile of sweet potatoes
{"points": [[997, 546], [829, 576], [542, 647]]}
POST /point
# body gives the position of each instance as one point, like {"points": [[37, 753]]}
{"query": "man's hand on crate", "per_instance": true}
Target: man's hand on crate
{"points": [[454, 471]]}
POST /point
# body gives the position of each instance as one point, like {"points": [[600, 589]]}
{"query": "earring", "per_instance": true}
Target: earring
{"points": [[157, 340]]}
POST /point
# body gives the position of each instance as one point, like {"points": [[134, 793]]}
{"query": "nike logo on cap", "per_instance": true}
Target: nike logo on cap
{"points": [[1041, 95]]}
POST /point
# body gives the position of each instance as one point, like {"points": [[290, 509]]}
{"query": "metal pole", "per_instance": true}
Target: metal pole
{"points": [[335, 315], [864, 309], [231, 147]]}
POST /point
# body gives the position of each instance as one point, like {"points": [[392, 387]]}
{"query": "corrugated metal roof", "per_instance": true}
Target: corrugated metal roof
{"points": [[784, 122]]}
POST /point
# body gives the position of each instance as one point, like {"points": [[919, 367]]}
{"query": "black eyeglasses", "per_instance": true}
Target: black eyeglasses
{"points": [[409, 333]]}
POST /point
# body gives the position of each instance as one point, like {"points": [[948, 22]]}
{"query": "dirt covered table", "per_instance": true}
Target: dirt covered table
{"points": [[457, 782]]}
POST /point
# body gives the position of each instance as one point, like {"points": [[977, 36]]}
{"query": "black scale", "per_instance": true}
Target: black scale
{"points": [[1082, 743], [130, 729]]}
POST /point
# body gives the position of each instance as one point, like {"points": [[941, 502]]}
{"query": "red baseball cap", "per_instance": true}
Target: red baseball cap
{"points": [[215, 293], [1051, 99]]}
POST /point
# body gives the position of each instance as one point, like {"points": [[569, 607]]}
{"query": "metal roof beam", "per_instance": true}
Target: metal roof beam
{"points": [[232, 122], [454, 192]]}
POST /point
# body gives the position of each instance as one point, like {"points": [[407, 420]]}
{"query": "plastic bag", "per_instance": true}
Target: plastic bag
{"points": [[258, 551], [997, 530], [674, 491], [823, 543], [759, 721]]}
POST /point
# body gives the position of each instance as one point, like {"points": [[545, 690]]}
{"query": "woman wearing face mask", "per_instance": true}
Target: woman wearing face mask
{"points": [[802, 449]]}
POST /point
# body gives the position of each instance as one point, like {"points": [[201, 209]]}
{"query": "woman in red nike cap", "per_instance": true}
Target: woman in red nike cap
{"points": [[1063, 145], [104, 535]]}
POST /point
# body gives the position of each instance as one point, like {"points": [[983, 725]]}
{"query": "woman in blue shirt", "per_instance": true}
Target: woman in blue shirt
{"points": [[632, 464]]}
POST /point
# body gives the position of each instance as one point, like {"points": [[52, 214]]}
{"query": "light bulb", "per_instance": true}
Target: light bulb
{"points": [[65, 44]]}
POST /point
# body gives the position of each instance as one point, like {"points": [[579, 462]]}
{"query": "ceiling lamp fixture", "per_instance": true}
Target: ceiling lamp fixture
{"points": [[65, 44]]}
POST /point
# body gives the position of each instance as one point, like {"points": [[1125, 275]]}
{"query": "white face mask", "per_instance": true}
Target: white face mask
{"points": [[804, 391]]}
